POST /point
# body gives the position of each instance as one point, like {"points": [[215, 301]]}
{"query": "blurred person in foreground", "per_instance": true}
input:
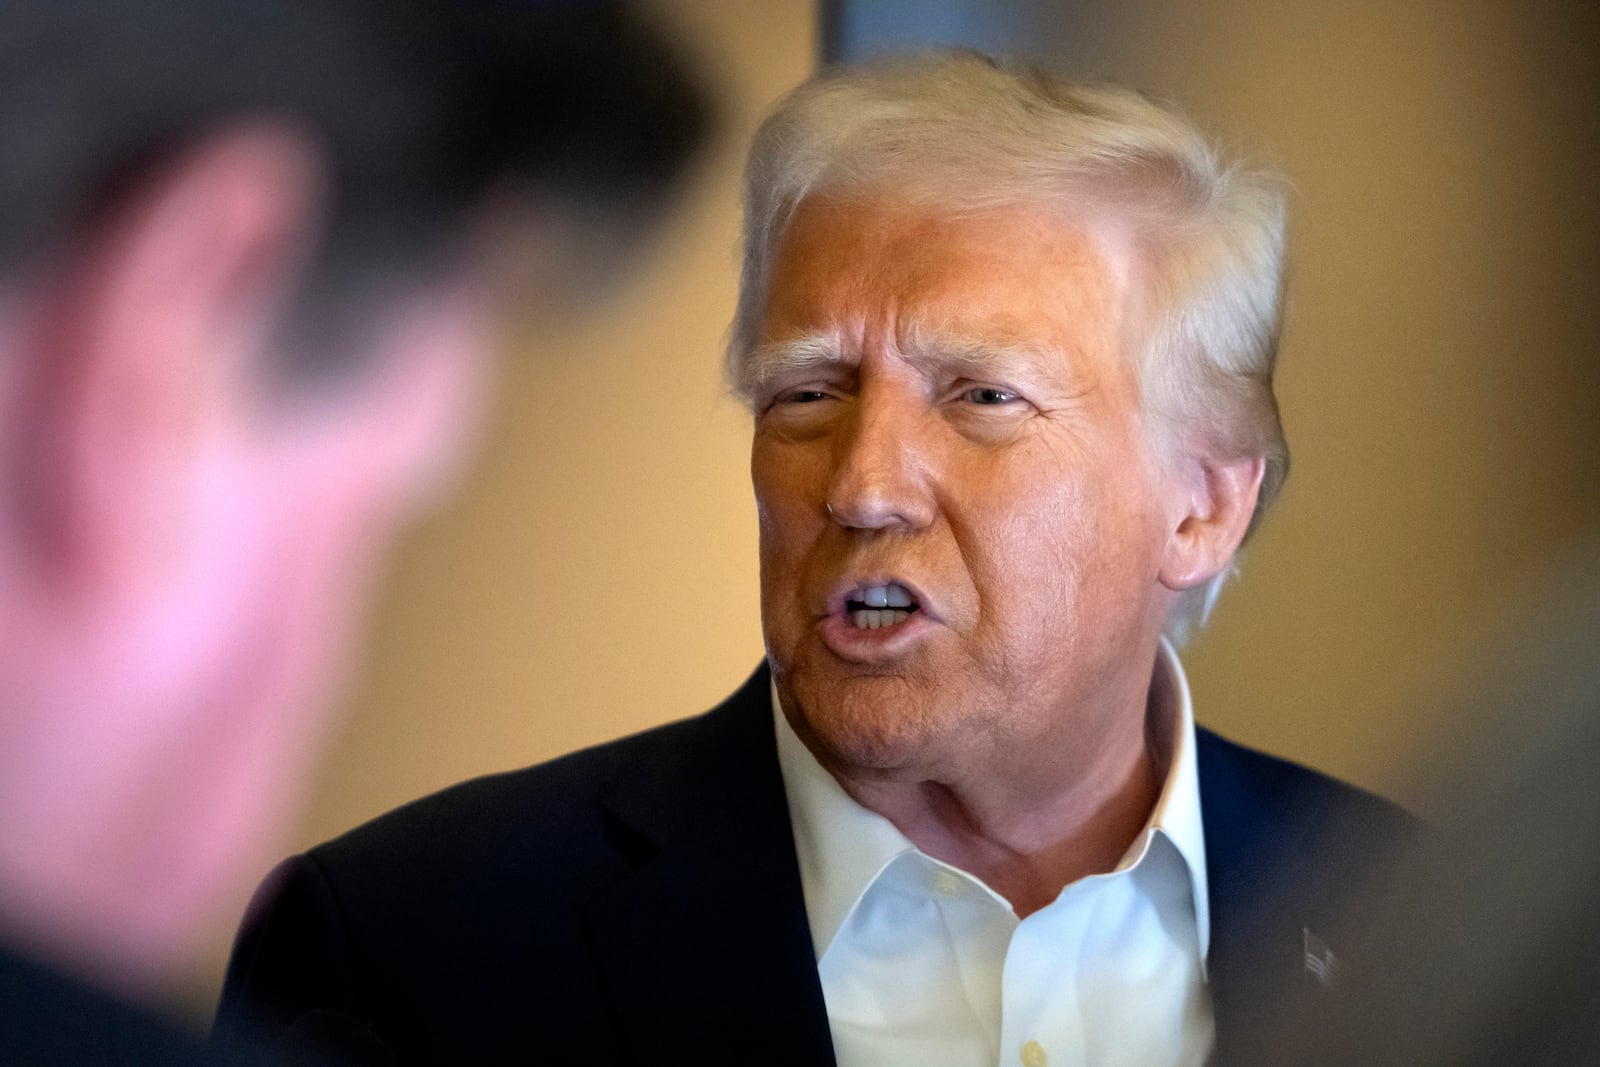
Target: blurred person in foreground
{"points": [[1008, 342], [1487, 948], [248, 255]]}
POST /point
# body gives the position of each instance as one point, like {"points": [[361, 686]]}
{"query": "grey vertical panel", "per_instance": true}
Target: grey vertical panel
{"points": [[854, 29]]}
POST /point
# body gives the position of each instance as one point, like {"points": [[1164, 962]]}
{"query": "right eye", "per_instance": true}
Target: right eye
{"points": [[801, 396], [989, 396]]}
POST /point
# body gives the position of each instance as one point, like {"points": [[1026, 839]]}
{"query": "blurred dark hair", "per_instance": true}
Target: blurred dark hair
{"points": [[421, 108]]}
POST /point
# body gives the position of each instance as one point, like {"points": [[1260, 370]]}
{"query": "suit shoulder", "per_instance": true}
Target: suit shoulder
{"points": [[1241, 783], [557, 805], [544, 799]]}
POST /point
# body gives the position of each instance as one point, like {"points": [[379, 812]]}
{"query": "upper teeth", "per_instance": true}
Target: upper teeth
{"points": [[893, 595]]}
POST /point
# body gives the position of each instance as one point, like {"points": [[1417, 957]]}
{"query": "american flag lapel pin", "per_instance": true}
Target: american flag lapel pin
{"points": [[1317, 958]]}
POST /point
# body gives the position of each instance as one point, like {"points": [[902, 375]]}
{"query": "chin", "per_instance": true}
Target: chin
{"points": [[880, 725]]}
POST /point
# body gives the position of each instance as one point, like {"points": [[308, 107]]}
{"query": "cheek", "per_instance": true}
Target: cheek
{"points": [[1028, 561], [1025, 511], [1056, 540], [790, 488], [790, 483]]}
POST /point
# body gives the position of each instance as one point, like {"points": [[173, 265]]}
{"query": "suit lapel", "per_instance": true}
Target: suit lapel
{"points": [[1273, 897], [1243, 960], [705, 945]]}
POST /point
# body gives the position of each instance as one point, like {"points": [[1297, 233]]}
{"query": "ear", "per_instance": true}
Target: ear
{"points": [[421, 403], [1220, 499], [148, 343]]}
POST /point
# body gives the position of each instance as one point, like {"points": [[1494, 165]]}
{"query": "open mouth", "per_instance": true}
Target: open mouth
{"points": [[873, 607]]}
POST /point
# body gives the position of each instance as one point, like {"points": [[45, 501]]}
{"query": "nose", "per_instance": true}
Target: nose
{"points": [[880, 473]]}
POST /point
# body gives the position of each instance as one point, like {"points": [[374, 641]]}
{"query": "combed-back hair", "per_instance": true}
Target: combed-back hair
{"points": [[958, 132], [421, 110]]}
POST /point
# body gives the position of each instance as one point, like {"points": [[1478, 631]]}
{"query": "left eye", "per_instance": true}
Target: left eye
{"points": [[988, 394]]}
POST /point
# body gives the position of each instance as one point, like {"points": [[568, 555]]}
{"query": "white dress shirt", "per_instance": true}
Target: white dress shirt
{"points": [[923, 964]]}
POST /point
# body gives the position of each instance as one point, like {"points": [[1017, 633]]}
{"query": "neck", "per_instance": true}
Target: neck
{"points": [[1030, 833]]}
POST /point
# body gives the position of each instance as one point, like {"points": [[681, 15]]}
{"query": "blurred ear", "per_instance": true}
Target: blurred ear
{"points": [[149, 341], [1221, 498], [421, 404]]}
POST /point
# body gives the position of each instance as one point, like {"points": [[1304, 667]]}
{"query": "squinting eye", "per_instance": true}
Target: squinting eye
{"points": [[791, 398], [985, 394]]}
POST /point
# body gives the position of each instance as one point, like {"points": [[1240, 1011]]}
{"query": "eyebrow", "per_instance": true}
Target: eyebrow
{"points": [[982, 357], [780, 358], [952, 353]]}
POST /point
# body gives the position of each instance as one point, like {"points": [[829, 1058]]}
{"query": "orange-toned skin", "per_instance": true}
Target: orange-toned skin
{"points": [[1002, 727]]}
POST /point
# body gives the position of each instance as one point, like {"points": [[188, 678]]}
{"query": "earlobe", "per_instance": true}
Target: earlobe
{"points": [[425, 393], [1221, 501], [146, 336]]}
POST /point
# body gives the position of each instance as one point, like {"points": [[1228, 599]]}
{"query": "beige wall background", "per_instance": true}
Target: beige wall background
{"points": [[1438, 379]]}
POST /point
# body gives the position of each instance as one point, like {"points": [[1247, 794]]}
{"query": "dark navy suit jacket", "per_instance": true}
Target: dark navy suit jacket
{"points": [[640, 902]]}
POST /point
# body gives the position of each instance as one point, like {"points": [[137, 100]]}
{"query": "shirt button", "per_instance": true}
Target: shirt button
{"points": [[1033, 1055], [946, 884]]}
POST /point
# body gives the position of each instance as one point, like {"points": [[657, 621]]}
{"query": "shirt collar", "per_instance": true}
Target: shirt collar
{"points": [[843, 847]]}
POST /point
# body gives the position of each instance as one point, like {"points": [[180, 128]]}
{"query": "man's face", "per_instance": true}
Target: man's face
{"points": [[961, 522]]}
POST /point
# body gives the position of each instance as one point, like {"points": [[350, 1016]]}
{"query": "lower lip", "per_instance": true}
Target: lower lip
{"points": [[846, 641]]}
